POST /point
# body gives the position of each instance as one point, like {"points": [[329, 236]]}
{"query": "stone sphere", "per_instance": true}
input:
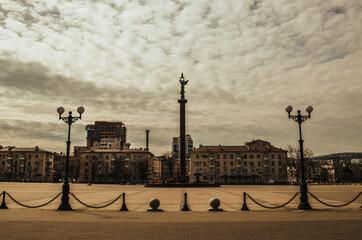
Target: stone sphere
{"points": [[214, 202], [154, 203]]}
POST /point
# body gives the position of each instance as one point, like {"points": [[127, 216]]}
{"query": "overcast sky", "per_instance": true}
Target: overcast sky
{"points": [[121, 60]]}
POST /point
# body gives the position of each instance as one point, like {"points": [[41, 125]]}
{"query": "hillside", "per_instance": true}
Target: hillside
{"points": [[341, 156]]}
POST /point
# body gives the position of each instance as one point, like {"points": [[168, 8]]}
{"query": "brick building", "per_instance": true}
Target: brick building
{"points": [[106, 130]]}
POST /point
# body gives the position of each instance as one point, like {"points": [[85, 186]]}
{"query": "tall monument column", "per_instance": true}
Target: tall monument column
{"points": [[182, 142]]}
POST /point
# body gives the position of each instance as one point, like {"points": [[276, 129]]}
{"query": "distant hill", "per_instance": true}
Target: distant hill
{"points": [[340, 156]]}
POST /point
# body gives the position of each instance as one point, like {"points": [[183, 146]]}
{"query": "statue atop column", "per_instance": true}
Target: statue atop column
{"points": [[183, 83]]}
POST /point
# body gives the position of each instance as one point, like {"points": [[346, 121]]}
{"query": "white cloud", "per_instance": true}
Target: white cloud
{"points": [[245, 60]]}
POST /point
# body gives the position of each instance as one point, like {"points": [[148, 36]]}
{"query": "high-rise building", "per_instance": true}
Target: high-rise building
{"points": [[106, 130], [176, 145]]}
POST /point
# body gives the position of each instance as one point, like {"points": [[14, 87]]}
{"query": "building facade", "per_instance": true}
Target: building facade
{"points": [[26, 164], [175, 149], [256, 162], [115, 166], [106, 130]]}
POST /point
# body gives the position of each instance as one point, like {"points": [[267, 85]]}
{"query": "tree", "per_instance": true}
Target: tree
{"points": [[142, 167], [169, 162], [118, 169], [293, 164]]}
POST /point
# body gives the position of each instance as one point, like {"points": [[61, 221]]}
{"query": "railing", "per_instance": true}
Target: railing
{"points": [[185, 206]]}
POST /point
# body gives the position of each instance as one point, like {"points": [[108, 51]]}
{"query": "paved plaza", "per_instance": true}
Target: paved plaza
{"points": [[323, 222]]}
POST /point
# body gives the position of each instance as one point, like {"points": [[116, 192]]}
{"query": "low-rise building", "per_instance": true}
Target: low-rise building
{"points": [[115, 166], [26, 164], [255, 162]]}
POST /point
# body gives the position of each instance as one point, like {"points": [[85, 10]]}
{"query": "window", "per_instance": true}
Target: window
{"points": [[272, 156], [204, 164], [251, 156], [218, 156], [245, 163], [280, 170], [259, 163], [225, 157], [218, 164], [252, 164], [107, 157], [280, 163], [258, 156], [272, 163], [279, 156], [197, 156], [225, 163], [218, 171], [231, 156], [273, 170], [36, 156], [231, 163]]}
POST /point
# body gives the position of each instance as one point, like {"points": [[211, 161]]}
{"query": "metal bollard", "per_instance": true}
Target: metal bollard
{"points": [[244, 207], [124, 207], [3, 204], [185, 207]]}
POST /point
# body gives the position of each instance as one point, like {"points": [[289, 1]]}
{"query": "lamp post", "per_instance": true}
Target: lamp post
{"points": [[304, 204], [64, 205]]}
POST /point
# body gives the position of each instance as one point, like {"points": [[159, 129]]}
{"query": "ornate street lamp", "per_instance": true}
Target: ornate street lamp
{"points": [[65, 206], [304, 204]]}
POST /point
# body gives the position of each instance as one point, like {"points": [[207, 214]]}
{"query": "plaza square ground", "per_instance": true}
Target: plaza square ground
{"points": [[323, 222]]}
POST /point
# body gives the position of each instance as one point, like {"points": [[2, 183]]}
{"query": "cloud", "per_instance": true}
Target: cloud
{"points": [[245, 60]]}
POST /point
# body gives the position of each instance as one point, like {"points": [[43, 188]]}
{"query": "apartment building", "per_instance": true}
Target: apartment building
{"points": [[255, 162], [101, 130], [115, 166], [31, 164]]}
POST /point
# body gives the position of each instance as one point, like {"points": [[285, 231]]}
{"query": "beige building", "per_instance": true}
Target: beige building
{"points": [[255, 162], [19, 164], [114, 165]]}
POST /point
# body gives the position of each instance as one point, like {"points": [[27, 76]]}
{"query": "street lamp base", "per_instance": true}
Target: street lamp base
{"points": [[64, 207], [304, 206]]}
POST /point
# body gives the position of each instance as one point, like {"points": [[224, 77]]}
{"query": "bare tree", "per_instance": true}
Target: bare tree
{"points": [[142, 167], [293, 163], [169, 162]]}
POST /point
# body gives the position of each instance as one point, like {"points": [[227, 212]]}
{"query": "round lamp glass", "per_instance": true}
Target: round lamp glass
{"points": [[80, 110], [309, 109], [289, 108], [60, 110]]}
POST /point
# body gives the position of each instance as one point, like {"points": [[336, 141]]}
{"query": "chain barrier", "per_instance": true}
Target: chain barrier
{"points": [[330, 205], [27, 206], [274, 207], [86, 205]]}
